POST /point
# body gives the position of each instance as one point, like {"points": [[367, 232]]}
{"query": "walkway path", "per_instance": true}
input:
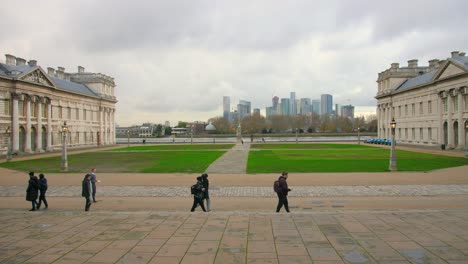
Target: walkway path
{"points": [[233, 161]]}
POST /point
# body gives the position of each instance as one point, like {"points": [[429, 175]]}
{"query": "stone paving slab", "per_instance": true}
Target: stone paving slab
{"points": [[251, 191], [67, 236], [233, 161]]}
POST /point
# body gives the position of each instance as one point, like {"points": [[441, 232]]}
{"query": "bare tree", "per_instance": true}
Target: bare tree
{"points": [[222, 125]]}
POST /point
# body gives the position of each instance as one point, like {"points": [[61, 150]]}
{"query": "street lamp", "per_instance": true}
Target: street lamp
{"points": [[393, 166], [297, 129], [466, 133], [64, 147], [8, 134], [128, 138], [191, 134], [358, 136]]}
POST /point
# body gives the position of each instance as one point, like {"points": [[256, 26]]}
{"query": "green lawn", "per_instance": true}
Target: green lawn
{"points": [[309, 146], [363, 159], [176, 147], [125, 162]]}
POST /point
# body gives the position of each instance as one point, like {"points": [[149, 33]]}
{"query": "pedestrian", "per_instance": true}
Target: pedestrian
{"points": [[33, 190], [86, 190], [42, 191], [93, 183], [281, 189], [197, 191], [206, 194]]}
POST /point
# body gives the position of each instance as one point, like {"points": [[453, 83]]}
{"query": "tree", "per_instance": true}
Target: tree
{"points": [[168, 131], [182, 124], [222, 125], [279, 123], [253, 124]]}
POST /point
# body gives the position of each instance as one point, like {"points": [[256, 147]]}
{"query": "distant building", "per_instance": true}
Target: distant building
{"points": [[326, 104], [292, 104], [256, 111], [338, 110], [429, 103], [316, 106], [347, 111], [243, 108], [305, 106], [226, 107], [285, 106]]}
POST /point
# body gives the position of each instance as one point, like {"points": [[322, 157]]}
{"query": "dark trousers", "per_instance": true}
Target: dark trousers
{"points": [[199, 202], [42, 198], [282, 200], [88, 203], [94, 191], [34, 204]]}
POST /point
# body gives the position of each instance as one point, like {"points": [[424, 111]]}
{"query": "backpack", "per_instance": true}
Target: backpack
{"points": [[195, 189], [276, 186]]}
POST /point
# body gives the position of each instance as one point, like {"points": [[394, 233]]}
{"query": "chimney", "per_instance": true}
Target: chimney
{"points": [[20, 61], [61, 69], [51, 71], [60, 73], [455, 54], [80, 69], [395, 65], [433, 64], [10, 59], [413, 63], [32, 63], [462, 54]]}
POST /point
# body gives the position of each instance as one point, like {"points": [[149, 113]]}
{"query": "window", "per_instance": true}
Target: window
{"points": [[413, 109], [6, 109], [429, 107], [406, 133], [43, 110], [69, 113], [466, 102], [429, 133], [21, 108], [399, 111], [421, 134], [84, 114], [413, 134], [59, 112], [33, 109], [421, 110], [455, 104], [399, 133], [406, 110], [77, 114], [444, 102]]}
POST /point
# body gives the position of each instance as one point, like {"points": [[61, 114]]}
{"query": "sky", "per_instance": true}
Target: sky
{"points": [[174, 60]]}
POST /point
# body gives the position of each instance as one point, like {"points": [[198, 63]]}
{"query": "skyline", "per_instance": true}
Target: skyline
{"points": [[175, 60]]}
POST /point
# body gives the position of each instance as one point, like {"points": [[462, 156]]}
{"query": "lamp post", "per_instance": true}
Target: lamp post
{"points": [[128, 138], [393, 166], [297, 129], [191, 134], [8, 134], [64, 147], [358, 136], [466, 133]]}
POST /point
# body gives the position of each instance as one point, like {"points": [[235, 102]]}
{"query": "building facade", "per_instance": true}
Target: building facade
{"points": [[226, 107], [326, 104], [34, 105], [316, 106], [244, 108], [292, 104], [429, 103], [347, 111]]}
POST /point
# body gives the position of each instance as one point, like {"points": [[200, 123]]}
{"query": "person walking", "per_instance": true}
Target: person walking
{"points": [[281, 188], [197, 191], [42, 191], [86, 190], [206, 194], [33, 190], [93, 183]]}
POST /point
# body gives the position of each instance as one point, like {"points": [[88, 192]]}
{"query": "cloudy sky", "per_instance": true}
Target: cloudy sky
{"points": [[175, 59]]}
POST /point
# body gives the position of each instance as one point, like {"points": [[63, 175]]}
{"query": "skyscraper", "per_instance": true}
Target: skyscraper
{"points": [[226, 107], [326, 104], [305, 106], [285, 106], [316, 106], [292, 104], [243, 108], [347, 111]]}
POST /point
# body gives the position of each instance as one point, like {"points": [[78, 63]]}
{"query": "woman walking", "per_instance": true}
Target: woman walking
{"points": [[32, 190], [42, 191]]}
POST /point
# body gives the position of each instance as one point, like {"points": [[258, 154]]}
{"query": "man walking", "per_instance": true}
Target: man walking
{"points": [[93, 183], [42, 191], [86, 190], [197, 191], [206, 194], [281, 188]]}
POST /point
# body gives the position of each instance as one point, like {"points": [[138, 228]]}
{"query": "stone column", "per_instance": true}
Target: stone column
{"points": [[39, 127], [440, 128], [27, 140], [461, 123], [49, 126], [15, 123], [451, 141], [101, 125]]}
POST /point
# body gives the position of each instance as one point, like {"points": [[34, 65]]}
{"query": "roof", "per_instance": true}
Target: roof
{"points": [[463, 60], [416, 81], [16, 71]]}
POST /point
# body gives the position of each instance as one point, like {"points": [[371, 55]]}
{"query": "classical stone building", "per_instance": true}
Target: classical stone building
{"points": [[429, 103], [34, 105]]}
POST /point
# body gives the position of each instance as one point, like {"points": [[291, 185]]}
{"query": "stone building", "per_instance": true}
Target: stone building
{"points": [[429, 103], [34, 105]]}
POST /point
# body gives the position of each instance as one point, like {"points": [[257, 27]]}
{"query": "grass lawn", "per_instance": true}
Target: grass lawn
{"points": [[335, 159], [125, 162], [309, 146], [176, 147]]}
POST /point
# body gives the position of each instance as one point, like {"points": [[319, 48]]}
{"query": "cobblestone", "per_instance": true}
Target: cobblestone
{"points": [[249, 191]]}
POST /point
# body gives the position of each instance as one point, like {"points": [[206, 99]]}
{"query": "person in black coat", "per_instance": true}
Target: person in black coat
{"points": [[42, 191], [33, 190], [86, 190], [198, 195], [206, 194], [283, 193]]}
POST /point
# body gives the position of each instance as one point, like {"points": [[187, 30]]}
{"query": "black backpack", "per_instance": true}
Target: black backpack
{"points": [[195, 189], [276, 186]]}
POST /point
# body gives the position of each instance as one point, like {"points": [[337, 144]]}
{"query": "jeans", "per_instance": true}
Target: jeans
{"points": [[94, 191], [88, 203], [42, 197], [282, 200], [198, 201]]}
